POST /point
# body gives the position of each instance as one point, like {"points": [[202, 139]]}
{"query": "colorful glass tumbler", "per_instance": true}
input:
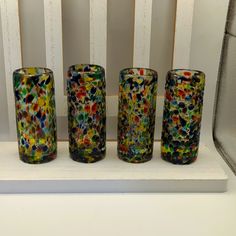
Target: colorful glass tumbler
{"points": [[35, 114], [182, 115], [86, 113], [136, 118]]}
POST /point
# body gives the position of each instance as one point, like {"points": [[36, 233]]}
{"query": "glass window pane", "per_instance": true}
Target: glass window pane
{"points": [[225, 121]]}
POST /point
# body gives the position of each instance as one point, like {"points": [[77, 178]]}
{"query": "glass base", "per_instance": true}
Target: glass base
{"points": [[86, 157], [177, 160], [135, 159], [43, 159]]}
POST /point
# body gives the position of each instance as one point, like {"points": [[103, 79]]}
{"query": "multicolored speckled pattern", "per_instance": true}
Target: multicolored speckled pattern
{"points": [[136, 118], [182, 115], [86, 113], [35, 114]]}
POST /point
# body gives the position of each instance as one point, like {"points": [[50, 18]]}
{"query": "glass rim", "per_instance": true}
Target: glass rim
{"points": [[72, 69], [125, 70], [172, 74], [173, 71], [22, 71]]}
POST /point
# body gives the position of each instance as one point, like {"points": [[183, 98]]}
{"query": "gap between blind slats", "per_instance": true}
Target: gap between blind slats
{"points": [[142, 33], [98, 32], [183, 33], [54, 50]]}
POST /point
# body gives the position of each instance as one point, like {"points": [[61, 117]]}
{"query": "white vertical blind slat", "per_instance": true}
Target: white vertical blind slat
{"points": [[54, 55], [142, 33], [98, 32], [12, 52], [183, 33]]}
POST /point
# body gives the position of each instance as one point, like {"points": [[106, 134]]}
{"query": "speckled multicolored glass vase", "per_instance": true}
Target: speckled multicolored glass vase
{"points": [[136, 118], [35, 114], [86, 113], [182, 115]]}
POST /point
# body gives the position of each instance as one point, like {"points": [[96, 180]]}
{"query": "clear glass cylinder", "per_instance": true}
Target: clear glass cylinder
{"points": [[182, 115], [136, 118], [35, 114], [86, 112]]}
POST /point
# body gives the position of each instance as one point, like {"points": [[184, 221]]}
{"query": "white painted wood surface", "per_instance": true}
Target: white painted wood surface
{"points": [[98, 32], [109, 175], [142, 33], [183, 33], [54, 50]]}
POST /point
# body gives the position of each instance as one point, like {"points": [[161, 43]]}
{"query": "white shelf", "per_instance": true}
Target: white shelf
{"points": [[64, 175]]}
